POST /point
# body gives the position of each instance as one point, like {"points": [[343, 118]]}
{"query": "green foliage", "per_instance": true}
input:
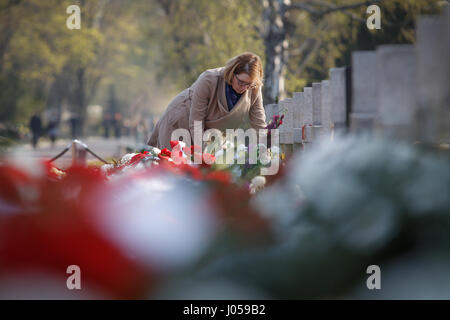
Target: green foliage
{"points": [[149, 50], [199, 34], [320, 43]]}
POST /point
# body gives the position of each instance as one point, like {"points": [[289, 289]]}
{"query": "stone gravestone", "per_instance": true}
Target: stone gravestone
{"points": [[287, 129], [433, 79], [297, 103], [338, 98], [307, 106], [396, 76], [364, 91], [317, 102], [307, 115], [326, 109], [317, 110]]}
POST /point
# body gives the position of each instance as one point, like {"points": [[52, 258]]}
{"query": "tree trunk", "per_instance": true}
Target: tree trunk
{"points": [[276, 49]]}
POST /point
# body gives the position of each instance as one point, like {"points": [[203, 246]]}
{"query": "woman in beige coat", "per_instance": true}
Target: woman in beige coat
{"points": [[222, 98]]}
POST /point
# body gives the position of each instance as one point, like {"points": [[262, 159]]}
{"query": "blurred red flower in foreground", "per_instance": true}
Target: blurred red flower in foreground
{"points": [[121, 230], [54, 229]]}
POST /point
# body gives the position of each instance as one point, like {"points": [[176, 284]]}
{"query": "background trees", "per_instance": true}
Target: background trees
{"points": [[149, 50]]}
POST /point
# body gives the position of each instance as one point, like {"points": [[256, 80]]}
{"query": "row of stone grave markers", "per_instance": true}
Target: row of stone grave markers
{"points": [[400, 91]]}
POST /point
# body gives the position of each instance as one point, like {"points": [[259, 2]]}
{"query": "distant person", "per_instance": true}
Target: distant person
{"points": [[74, 122], [52, 130], [36, 128]]}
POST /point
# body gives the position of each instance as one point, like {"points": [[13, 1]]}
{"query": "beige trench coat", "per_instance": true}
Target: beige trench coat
{"points": [[205, 101]]}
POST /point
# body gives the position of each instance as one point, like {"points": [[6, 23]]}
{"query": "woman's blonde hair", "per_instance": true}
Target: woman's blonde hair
{"points": [[248, 63]]}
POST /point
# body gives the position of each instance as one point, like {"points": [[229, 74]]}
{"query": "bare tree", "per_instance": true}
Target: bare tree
{"points": [[276, 34]]}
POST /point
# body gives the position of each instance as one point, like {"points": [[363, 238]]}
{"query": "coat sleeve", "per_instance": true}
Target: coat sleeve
{"points": [[257, 113], [201, 95]]}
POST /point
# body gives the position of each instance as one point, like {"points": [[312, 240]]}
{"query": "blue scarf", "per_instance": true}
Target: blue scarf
{"points": [[232, 96]]}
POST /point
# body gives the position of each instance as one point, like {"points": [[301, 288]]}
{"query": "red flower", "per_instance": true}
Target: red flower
{"points": [[208, 159], [60, 231], [218, 176], [163, 157], [166, 152], [51, 170], [12, 180], [136, 158], [193, 171]]}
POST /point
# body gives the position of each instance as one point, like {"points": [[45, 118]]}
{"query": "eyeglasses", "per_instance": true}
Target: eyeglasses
{"points": [[244, 84]]}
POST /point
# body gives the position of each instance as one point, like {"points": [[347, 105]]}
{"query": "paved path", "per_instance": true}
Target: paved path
{"points": [[105, 148]]}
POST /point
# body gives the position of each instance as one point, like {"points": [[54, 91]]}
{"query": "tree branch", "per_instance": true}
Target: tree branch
{"points": [[346, 12], [302, 7], [323, 27], [351, 6], [331, 8]]}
